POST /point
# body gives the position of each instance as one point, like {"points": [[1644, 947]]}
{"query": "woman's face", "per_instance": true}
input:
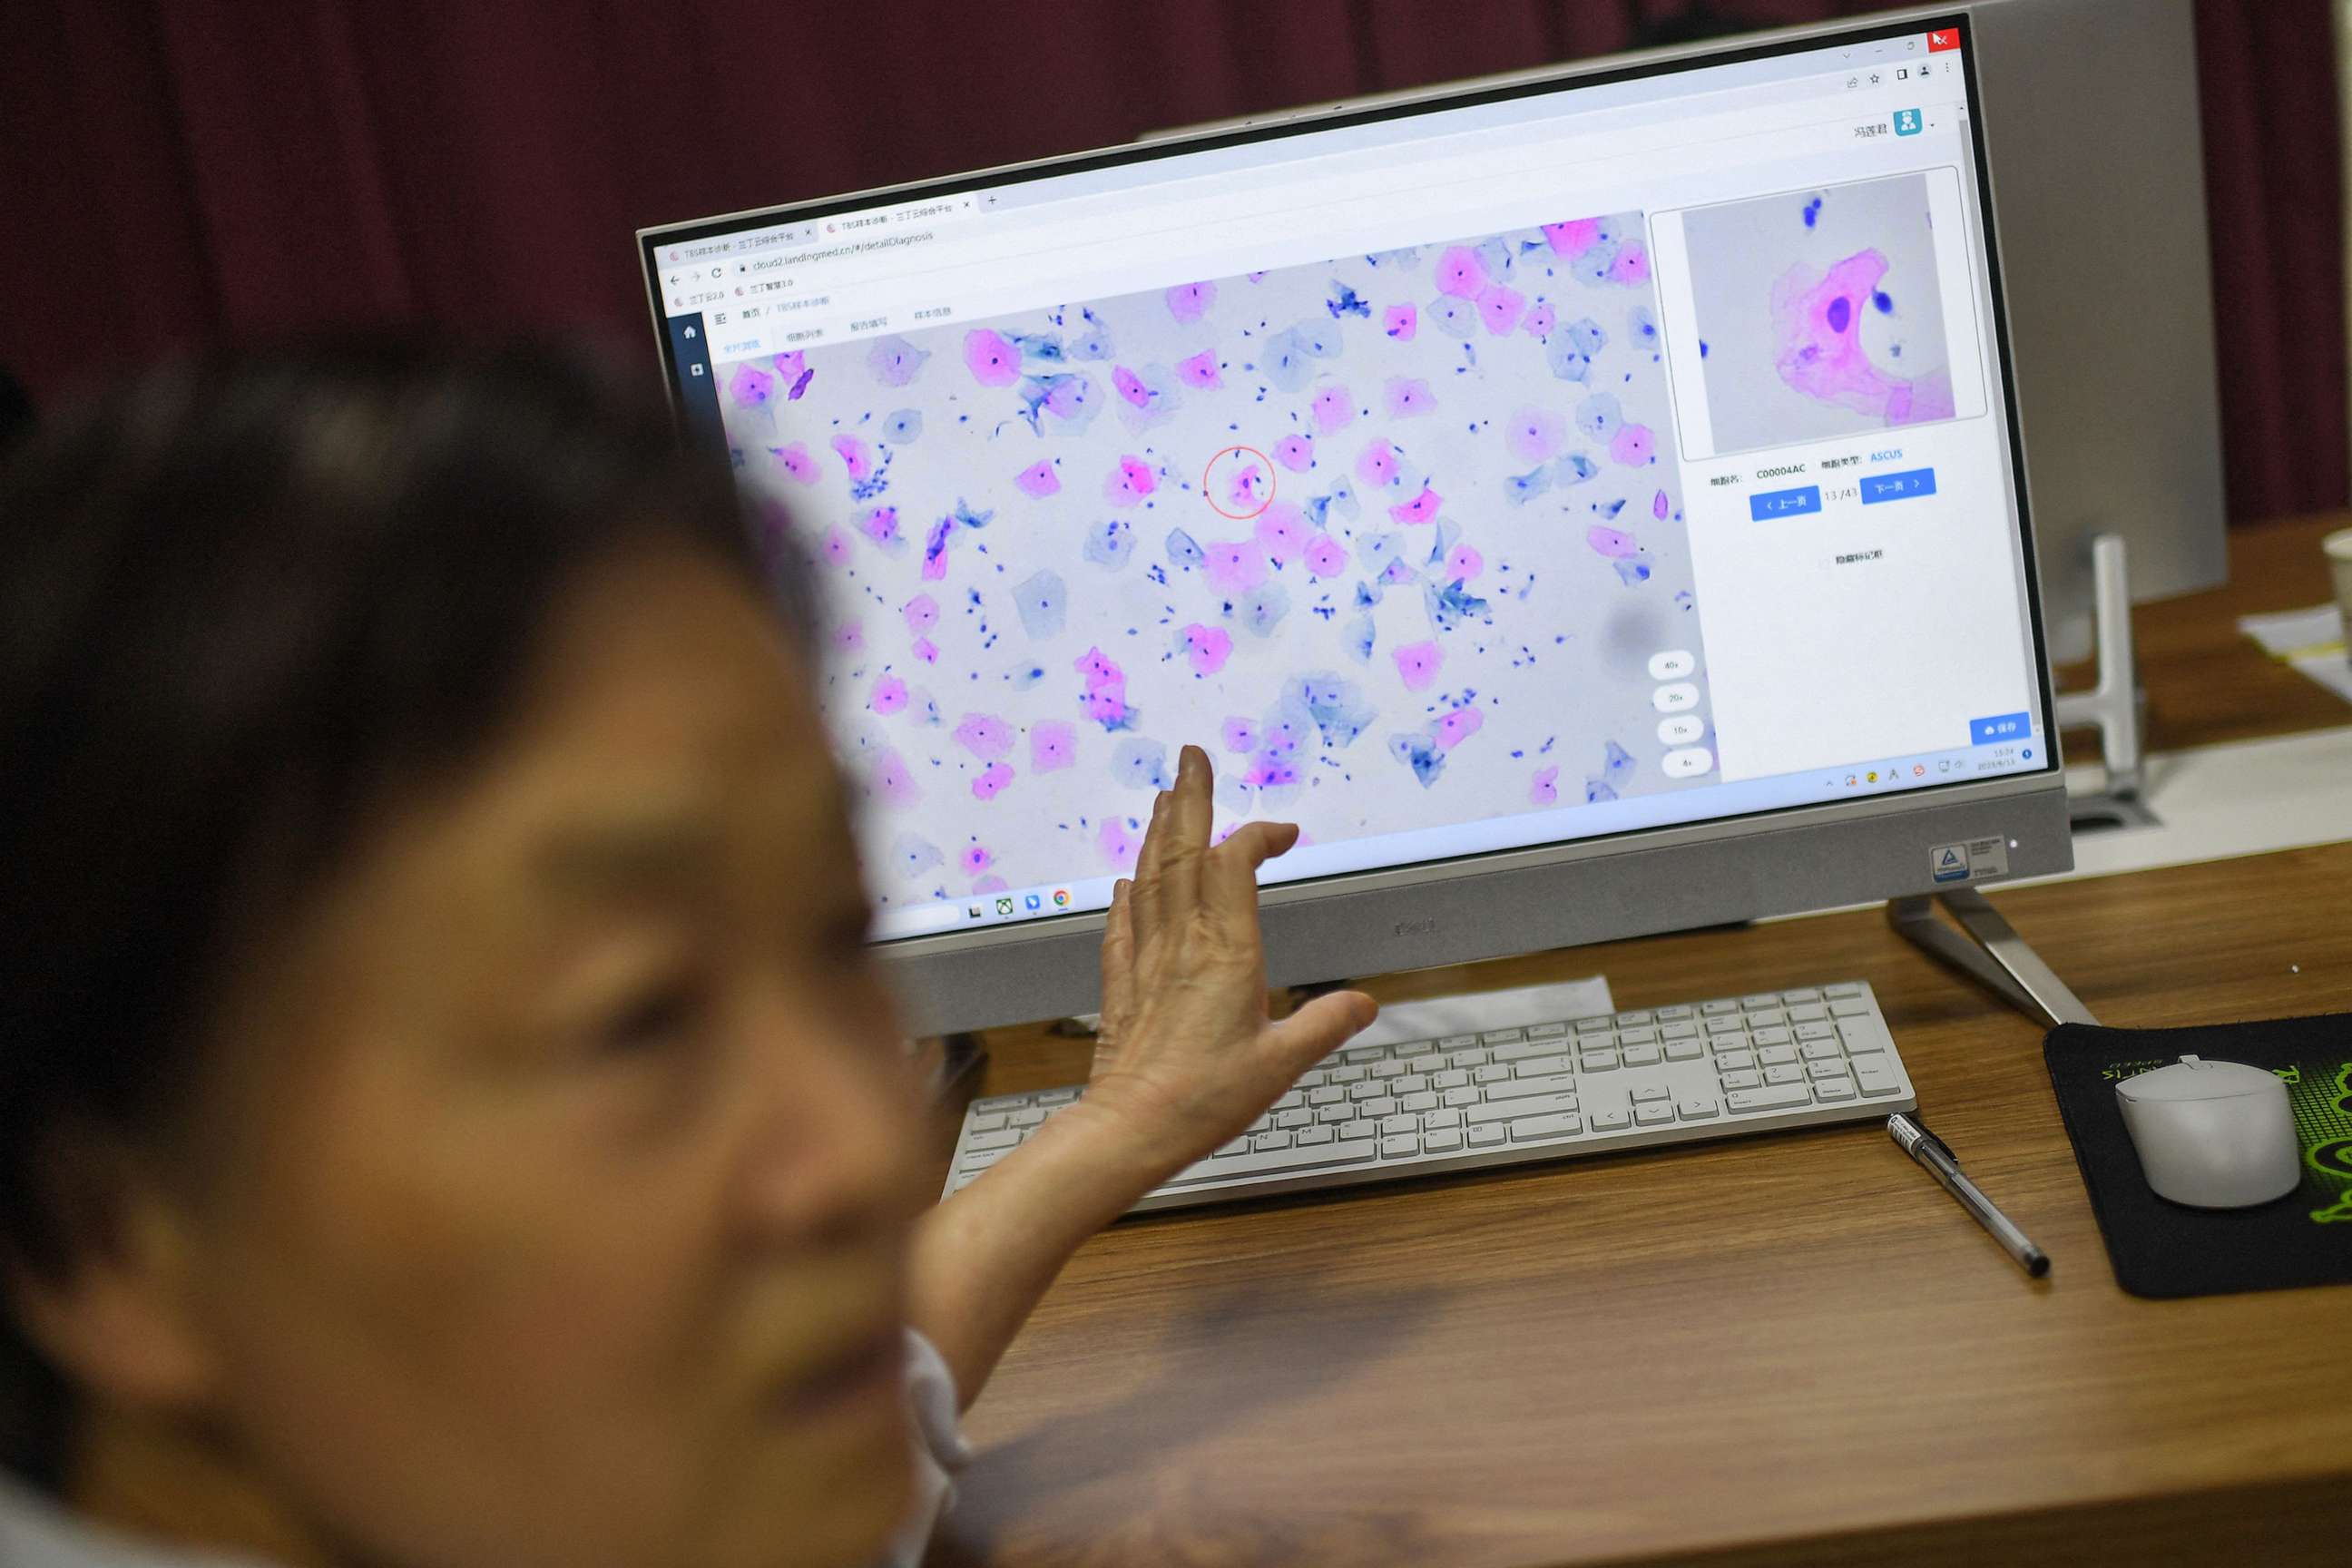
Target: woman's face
{"points": [[553, 1184]]}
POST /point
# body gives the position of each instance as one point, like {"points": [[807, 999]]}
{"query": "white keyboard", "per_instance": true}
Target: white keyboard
{"points": [[1581, 1086]]}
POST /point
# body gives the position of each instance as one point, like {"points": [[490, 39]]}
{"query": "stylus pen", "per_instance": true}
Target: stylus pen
{"points": [[1933, 1152]]}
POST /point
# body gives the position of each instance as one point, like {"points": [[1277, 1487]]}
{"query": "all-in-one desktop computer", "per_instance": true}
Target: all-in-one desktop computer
{"points": [[1589, 506]]}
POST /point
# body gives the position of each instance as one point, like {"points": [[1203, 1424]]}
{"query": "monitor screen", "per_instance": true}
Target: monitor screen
{"points": [[1496, 470]]}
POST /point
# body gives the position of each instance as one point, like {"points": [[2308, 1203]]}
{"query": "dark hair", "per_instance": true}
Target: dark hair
{"points": [[241, 598]]}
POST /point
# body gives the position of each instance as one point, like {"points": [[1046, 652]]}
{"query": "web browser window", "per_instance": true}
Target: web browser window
{"points": [[1495, 471]]}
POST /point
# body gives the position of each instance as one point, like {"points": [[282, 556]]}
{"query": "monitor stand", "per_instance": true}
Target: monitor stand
{"points": [[2114, 704], [1986, 947]]}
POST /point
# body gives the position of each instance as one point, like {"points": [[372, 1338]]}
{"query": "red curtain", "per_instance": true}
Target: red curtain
{"points": [[177, 171]]}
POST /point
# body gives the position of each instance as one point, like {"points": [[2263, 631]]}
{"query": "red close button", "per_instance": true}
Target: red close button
{"points": [[1942, 39]]}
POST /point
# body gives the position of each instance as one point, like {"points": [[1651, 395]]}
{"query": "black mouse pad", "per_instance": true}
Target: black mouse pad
{"points": [[2163, 1248]]}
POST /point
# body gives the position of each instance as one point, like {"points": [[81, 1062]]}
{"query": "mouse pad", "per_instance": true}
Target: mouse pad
{"points": [[2163, 1248]]}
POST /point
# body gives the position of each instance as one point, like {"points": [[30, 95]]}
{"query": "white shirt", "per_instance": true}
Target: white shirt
{"points": [[36, 1533]]}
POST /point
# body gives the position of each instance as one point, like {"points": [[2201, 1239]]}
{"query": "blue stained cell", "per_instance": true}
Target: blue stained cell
{"points": [[1587, 335], [1499, 256], [1235, 795], [1042, 602], [1286, 361], [1093, 341], [1455, 317], [914, 855], [1043, 347], [1343, 500], [1574, 468], [1566, 361], [1336, 704], [1595, 791], [968, 518], [1406, 256], [1374, 551], [1361, 635], [1137, 763], [1420, 753], [1617, 767], [1642, 326], [1262, 608], [1632, 570], [1610, 230], [1181, 548], [894, 361], [902, 426], [1609, 510], [1346, 301], [1370, 593], [1316, 509], [1451, 605], [1319, 339], [1520, 489], [1592, 266], [1110, 541], [1600, 415], [1024, 675]]}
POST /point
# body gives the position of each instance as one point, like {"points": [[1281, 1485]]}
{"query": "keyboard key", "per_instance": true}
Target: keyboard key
{"points": [[1466, 1059], [1641, 1016], [1401, 1147], [1788, 1072], [994, 1123], [1388, 1069], [1861, 1035], [1698, 1108], [1487, 1137], [1810, 1012], [1778, 1036], [1512, 1110], [1050, 1098], [1425, 1100], [1238, 1146], [1595, 1025], [1653, 1114], [1643, 1092], [1460, 1097], [1641, 1056], [1816, 1031], [1265, 1140], [1502, 1037], [1394, 1125], [1347, 1075], [1542, 1066], [1682, 1031], [1363, 1053], [1831, 1089], [1028, 1116], [1290, 1101], [1490, 1074], [1332, 1115], [1451, 1079], [1523, 1088], [1371, 1089], [1715, 1009], [1315, 1135], [1847, 989], [1777, 1056], [1316, 1078], [1770, 1017], [1534, 1129], [1445, 1140], [1525, 1050], [1819, 1050], [1852, 1008], [1674, 1015], [1685, 1050], [1725, 1061], [1003, 1138], [1597, 1061], [1426, 1063], [1412, 1083], [1373, 1109], [1263, 1124], [1645, 1036], [1818, 1071], [1611, 1121], [1742, 1079], [1294, 1120], [1546, 1031], [1456, 1042], [1442, 1119], [1725, 1025], [1740, 1101], [1760, 999], [1805, 995], [1874, 1074], [1273, 1162]]}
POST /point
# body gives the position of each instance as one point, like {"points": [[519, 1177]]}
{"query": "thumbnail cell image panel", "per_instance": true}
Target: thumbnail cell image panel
{"points": [[1389, 534], [1819, 313]]}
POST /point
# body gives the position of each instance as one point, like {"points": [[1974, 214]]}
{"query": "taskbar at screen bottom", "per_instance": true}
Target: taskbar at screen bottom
{"points": [[987, 905]]}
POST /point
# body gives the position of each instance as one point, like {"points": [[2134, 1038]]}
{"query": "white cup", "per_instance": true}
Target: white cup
{"points": [[2338, 546]]}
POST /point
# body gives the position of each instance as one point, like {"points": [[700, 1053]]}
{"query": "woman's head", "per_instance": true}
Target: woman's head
{"points": [[441, 1082]]}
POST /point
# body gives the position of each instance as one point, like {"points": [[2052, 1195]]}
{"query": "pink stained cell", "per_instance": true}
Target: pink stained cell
{"points": [[849, 637], [1533, 435], [1500, 307], [1325, 556], [795, 461], [1200, 370], [1038, 480], [1926, 399], [853, 456], [1332, 410], [794, 365], [922, 613], [989, 884], [836, 546], [1191, 301], [1235, 567], [1418, 664], [1460, 272], [751, 386], [1613, 542], [1129, 482], [1207, 647], [1107, 706], [1632, 266], [992, 781], [1632, 445], [1270, 770], [1407, 396], [926, 650], [984, 735], [1463, 563], [1052, 745], [1130, 387], [1281, 531], [1545, 789], [935, 551], [1658, 506], [1246, 487], [1453, 728], [992, 361], [1421, 508], [1400, 321], [1295, 453], [879, 524], [975, 859], [1239, 734], [1378, 464], [1539, 321], [1098, 667], [1118, 843], [1574, 238], [891, 781], [890, 695]]}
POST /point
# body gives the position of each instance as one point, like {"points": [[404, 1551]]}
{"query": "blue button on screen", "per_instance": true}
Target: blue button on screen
{"points": [[2001, 727], [1876, 488], [1770, 504]]}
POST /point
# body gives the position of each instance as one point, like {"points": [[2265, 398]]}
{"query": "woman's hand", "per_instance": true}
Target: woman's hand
{"points": [[1186, 1053]]}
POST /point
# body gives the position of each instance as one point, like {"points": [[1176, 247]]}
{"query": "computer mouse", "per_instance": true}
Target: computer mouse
{"points": [[2214, 1135]]}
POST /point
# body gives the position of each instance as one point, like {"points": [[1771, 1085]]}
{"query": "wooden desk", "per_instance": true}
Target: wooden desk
{"points": [[1783, 1350]]}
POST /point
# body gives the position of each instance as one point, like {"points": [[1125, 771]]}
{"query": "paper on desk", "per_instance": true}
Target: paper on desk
{"points": [[2311, 641], [1487, 1010]]}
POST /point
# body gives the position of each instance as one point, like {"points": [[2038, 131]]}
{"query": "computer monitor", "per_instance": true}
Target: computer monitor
{"points": [[1588, 508]]}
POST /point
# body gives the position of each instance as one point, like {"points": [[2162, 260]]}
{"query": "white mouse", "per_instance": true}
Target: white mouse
{"points": [[2214, 1135]]}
